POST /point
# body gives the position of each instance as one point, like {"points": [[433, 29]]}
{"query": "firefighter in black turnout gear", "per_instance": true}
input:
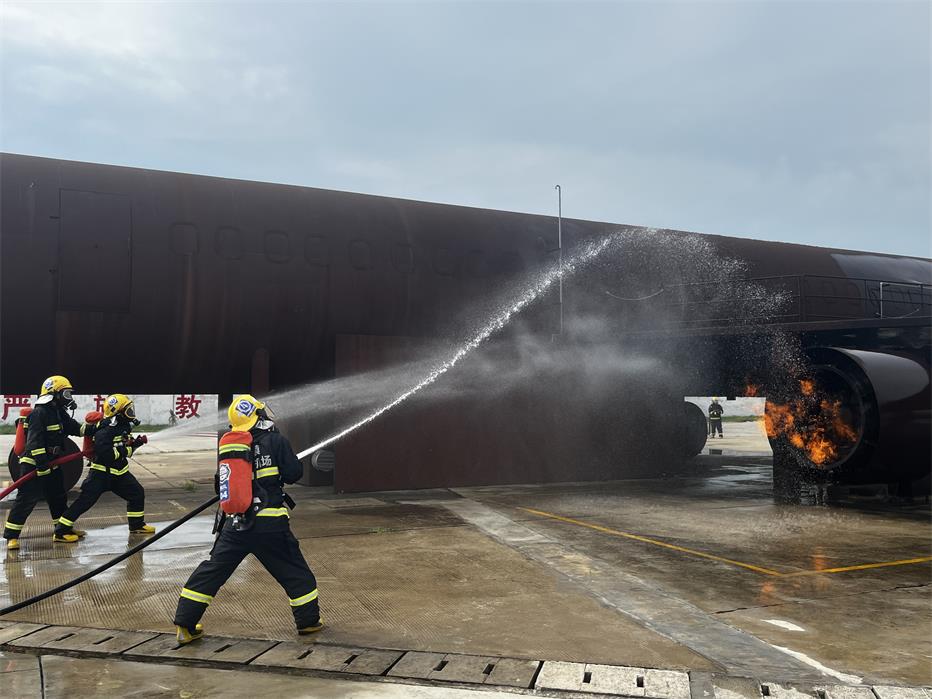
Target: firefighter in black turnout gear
{"points": [[263, 530], [47, 428], [113, 445], [715, 418]]}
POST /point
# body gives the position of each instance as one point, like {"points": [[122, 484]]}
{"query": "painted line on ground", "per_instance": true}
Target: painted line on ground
{"points": [[647, 603], [721, 559], [863, 566], [655, 542]]}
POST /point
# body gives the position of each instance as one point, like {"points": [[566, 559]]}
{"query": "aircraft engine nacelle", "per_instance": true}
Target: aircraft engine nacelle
{"points": [[858, 417]]}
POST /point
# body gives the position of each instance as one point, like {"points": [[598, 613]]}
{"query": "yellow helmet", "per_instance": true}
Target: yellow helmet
{"points": [[56, 387], [244, 412], [119, 404], [54, 384]]}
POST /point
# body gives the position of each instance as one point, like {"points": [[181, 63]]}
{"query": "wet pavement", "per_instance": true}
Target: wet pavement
{"points": [[703, 573], [740, 439], [56, 677]]}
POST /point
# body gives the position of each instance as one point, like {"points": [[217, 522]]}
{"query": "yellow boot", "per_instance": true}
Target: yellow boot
{"points": [[66, 538], [144, 529], [80, 533], [314, 628], [185, 636], [12, 544]]}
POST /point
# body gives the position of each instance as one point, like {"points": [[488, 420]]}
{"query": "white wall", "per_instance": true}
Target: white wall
{"points": [[150, 410]]}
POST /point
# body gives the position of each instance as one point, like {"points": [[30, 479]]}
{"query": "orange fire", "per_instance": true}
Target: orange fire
{"points": [[751, 390], [814, 425]]}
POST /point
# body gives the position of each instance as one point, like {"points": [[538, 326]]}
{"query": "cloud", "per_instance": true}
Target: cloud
{"points": [[794, 121]]}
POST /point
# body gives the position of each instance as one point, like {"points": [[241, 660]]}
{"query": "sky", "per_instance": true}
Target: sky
{"points": [[797, 121]]}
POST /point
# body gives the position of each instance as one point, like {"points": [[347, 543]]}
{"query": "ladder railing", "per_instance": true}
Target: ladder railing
{"points": [[802, 299]]}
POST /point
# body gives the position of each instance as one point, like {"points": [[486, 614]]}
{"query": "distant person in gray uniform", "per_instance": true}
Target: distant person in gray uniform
{"points": [[715, 418]]}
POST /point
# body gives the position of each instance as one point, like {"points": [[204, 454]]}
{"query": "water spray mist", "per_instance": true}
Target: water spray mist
{"points": [[498, 322]]}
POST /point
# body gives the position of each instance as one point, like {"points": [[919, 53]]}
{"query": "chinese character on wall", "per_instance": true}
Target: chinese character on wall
{"points": [[186, 406], [13, 402]]}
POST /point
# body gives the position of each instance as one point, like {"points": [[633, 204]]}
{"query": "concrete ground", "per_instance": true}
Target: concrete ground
{"points": [[58, 677], [740, 438], [702, 572]]}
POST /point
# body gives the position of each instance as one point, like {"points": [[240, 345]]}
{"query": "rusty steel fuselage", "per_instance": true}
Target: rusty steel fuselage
{"points": [[144, 281]]}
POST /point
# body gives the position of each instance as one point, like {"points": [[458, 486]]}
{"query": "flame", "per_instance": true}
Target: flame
{"points": [[814, 425], [751, 391]]}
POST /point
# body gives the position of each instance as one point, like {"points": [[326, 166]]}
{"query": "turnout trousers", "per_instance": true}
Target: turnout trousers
{"points": [[96, 484], [276, 548], [51, 487], [715, 425]]}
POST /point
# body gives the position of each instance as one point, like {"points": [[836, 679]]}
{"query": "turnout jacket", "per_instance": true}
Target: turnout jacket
{"points": [[273, 464], [111, 447], [47, 428], [715, 411]]}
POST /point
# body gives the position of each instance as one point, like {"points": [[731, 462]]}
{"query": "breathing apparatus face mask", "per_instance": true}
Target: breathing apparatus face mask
{"points": [[67, 399], [266, 416], [129, 412]]}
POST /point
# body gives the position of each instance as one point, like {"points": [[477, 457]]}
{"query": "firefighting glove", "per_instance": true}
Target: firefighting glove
{"points": [[91, 420], [137, 442]]}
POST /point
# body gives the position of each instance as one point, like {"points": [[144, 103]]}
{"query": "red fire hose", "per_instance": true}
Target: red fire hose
{"points": [[32, 474], [19, 446]]}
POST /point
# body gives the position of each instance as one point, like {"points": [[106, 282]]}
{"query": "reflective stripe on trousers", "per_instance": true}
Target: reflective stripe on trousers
{"points": [[303, 599], [196, 596]]}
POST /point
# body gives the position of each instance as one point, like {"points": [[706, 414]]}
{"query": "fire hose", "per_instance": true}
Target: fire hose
{"points": [[112, 562], [32, 474]]}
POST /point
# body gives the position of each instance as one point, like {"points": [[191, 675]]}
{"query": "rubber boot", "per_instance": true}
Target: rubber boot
{"points": [[307, 630], [12, 544], [185, 636], [144, 529], [66, 538]]}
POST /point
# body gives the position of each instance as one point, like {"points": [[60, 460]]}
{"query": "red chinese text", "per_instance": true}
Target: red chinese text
{"points": [[12, 402], [186, 406]]}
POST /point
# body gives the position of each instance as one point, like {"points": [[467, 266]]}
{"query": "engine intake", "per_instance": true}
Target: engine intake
{"points": [[859, 417]]}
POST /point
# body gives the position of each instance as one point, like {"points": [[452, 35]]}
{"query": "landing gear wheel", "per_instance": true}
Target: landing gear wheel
{"points": [[695, 429]]}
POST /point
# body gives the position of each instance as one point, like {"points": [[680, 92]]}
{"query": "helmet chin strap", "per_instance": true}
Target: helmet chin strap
{"points": [[265, 425]]}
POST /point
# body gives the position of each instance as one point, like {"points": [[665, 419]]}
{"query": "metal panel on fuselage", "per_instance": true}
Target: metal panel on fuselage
{"points": [[224, 269]]}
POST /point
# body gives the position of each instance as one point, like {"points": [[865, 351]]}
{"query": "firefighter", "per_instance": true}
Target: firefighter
{"points": [[263, 531], [113, 445], [47, 428], [715, 418]]}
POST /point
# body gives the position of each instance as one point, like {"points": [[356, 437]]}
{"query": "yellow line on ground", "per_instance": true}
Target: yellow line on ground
{"points": [[863, 566], [646, 540]]}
